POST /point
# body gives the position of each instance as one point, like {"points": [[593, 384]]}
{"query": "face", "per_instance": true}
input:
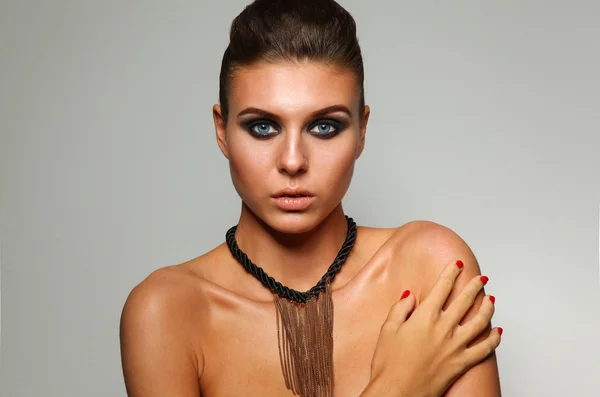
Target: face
{"points": [[292, 136]]}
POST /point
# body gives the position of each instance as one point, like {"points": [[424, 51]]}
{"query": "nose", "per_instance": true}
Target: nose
{"points": [[293, 156]]}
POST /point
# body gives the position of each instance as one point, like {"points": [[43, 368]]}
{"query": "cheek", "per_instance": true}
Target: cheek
{"points": [[248, 165], [338, 165]]}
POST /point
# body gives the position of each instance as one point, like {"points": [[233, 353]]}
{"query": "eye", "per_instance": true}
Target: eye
{"points": [[262, 129], [326, 128]]}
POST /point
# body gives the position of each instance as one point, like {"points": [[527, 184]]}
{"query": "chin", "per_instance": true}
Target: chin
{"points": [[292, 222]]}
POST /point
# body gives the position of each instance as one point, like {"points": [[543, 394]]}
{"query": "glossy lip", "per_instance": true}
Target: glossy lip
{"points": [[293, 203], [292, 192], [293, 199]]}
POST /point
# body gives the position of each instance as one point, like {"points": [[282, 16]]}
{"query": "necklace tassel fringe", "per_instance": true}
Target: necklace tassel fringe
{"points": [[304, 322], [305, 341]]}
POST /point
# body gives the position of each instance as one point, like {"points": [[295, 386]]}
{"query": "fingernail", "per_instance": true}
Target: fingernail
{"points": [[460, 264], [492, 299], [500, 330], [484, 279], [405, 294]]}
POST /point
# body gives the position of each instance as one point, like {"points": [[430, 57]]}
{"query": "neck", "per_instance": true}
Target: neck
{"points": [[299, 260]]}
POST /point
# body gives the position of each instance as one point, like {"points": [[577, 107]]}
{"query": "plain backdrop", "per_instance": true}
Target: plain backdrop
{"points": [[485, 118]]}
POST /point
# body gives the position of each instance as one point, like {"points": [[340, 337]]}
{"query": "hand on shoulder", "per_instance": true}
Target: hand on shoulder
{"points": [[432, 246]]}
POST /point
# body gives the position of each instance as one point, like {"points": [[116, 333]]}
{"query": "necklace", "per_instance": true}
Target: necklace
{"points": [[304, 322]]}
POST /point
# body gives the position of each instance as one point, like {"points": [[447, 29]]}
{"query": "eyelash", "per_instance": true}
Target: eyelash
{"points": [[337, 125]]}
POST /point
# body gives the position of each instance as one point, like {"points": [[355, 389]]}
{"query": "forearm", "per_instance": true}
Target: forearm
{"points": [[380, 388], [481, 380], [375, 388]]}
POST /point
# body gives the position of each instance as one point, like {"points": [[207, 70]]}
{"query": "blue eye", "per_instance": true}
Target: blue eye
{"points": [[326, 128], [262, 129]]}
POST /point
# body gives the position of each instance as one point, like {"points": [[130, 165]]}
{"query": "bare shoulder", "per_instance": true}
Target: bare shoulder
{"points": [[160, 307], [160, 332], [171, 294], [431, 246], [165, 289], [419, 250], [422, 238], [433, 242]]}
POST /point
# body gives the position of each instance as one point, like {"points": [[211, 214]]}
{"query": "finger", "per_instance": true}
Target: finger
{"points": [[440, 291], [483, 349], [476, 325], [400, 311], [464, 300]]}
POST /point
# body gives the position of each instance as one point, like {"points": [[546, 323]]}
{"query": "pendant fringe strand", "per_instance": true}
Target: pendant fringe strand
{"points": [[305, 342]]}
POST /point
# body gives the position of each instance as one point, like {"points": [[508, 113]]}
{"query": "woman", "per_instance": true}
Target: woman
{"points": [[292, 121]]}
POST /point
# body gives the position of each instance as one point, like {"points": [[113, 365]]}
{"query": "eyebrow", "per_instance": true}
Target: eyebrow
{"points": [[318, 113]]}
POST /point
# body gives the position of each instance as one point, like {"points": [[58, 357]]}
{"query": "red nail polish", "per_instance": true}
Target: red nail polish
{"points": [[484, 279], [460, 264], [405, 294], [492, 299], [500, 330]]}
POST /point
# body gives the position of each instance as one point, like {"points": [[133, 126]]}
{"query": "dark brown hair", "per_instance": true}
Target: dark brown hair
{"points": [[291, 30]]}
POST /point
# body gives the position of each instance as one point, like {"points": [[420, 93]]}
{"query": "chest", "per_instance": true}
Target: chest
{"points": [[241, 351]]}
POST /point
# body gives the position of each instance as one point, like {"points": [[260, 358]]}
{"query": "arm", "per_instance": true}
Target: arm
{"points": [[442, 245], [156, 351], [423, 350]]}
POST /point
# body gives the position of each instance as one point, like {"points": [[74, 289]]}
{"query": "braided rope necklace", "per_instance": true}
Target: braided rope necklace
{"points": [[304, 322]]}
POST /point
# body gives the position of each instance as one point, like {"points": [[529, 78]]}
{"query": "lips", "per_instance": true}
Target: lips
{"points": [[293, 199], [293, 193]]}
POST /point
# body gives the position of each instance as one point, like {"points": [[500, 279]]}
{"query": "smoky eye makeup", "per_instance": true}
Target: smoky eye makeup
{"points": [[327, 128], [261, 128], [323, 128]]}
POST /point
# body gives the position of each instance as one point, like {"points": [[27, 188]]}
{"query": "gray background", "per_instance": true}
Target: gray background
{"points": [[484, 118]]}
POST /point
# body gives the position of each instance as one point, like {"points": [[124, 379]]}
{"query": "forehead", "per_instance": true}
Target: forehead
{"points": [[282, 87]]}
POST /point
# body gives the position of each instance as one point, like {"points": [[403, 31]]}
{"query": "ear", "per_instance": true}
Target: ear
{"points": [[363, 130], [220, 129]]}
